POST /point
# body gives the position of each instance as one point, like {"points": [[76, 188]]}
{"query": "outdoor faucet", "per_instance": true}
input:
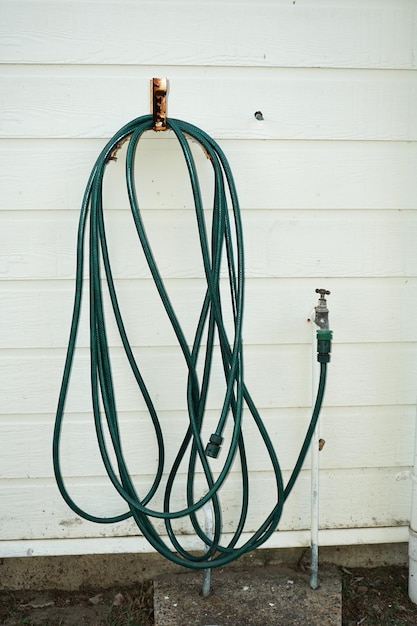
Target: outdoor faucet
{"points": [[322, 312]]}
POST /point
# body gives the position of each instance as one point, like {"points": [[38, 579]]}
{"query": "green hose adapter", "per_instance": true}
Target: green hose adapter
{"points": [[324, 345], [213, 446]]}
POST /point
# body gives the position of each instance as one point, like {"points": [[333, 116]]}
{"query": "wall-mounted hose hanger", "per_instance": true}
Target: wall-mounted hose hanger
{"points": [[221, 242], [159, 92]]}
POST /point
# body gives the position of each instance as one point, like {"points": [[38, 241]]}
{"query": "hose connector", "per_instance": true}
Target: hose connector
{"points": [[324, 345], [213, 446]]}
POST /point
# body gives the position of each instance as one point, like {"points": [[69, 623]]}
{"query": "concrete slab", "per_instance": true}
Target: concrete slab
{"points": [[260, 596]]}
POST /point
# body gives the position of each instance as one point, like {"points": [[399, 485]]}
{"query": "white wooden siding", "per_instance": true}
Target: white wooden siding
{"points": [[381, 175], [327, 186], [297, 104], [271, 33]]}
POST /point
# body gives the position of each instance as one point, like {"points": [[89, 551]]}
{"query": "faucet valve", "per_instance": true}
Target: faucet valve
{"points": [[322, 312], [324, 335]]}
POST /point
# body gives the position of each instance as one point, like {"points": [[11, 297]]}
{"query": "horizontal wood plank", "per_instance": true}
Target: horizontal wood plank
{"points": [[42, 245], [137, 544], [360, 375], [31, 384], [37, 314], [360, 494], [348, 432], [264, 34], [268, 174], [58, 102]]}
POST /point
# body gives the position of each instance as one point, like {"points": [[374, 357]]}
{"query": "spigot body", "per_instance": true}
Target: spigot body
{"points": [[322, 312]]}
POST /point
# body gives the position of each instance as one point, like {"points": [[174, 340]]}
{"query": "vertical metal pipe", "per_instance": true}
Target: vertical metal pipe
{"points": [[321, 320], [208, 529], [412, 545], [314, 538]]}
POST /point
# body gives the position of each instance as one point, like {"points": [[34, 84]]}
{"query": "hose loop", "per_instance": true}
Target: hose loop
{"points": [[221, 248]]}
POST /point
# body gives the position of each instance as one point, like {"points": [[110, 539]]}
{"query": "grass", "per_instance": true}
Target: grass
{"points": [[134, 612]]}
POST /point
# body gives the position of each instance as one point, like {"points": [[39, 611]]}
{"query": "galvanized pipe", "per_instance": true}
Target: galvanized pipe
{"points": [[208, 529], [315, 471]]}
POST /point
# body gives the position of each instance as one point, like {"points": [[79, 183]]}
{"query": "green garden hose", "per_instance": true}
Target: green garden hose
{"points": [[223, 246]]}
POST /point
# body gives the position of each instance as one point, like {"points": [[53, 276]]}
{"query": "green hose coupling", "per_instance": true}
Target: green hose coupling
{"points": [[324, 345], [213, 446]]}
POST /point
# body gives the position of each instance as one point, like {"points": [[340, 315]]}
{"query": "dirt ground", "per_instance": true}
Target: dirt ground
{"points": [[375, 596], [127, 606]]}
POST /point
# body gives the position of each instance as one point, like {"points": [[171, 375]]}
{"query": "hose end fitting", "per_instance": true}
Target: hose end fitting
{"points": [[324, 345], [213, 446]]}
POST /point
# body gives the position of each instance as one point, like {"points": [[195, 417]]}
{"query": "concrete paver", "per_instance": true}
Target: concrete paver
{"points": [[259, 596]]}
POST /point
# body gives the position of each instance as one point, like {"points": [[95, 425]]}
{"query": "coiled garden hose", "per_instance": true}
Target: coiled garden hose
{"points": [[223, 246]]}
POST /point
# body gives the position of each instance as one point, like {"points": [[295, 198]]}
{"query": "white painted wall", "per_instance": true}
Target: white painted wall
{"points": [[327, 185]]}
